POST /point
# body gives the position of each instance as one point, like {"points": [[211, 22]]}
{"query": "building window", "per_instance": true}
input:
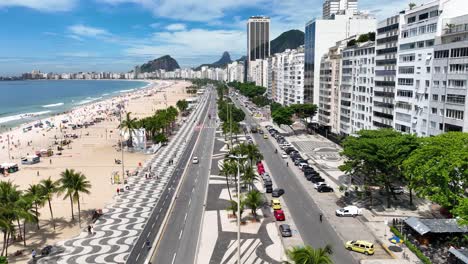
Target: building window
{"points": [[455, 114], [405, 93], [411, 19], [441, 54], [405, 81], [434, 13], [406, 70], [437, 69], [431, 28], [433, 124], [460, 52], [456, 99], [423, 16], [407, 58], [457, 83], [434, 110], [435, 97]]}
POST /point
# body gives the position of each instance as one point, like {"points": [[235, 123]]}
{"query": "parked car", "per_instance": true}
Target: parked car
{"points": [[276, 204], [279, 215], [307, 169], [289, 150], [325, 188], [269, 188], [284, 155], [303, 164], [285, 230], [195, 160], [348, 211], [360, 246], [318, 184], [277, 192], [311, 177], [397, 189], [317, 179], [265, 136]]}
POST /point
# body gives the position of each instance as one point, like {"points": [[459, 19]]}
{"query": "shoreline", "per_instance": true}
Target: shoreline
{"points": [[6, 127], [92, 151]]}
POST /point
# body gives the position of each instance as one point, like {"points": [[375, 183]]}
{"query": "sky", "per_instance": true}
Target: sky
{"points": [[115, 35]]}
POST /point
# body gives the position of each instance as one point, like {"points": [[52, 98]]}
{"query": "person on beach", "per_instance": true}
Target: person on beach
{"points": [[118, 191], [89, 229], [33, 254]]}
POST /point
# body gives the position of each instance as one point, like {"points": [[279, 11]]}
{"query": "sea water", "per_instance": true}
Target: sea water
{"points": [[25, 101]]}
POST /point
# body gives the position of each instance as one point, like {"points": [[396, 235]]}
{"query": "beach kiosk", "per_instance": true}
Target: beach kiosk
{"points": [[44, 152], [7, 168], [29, 160]]}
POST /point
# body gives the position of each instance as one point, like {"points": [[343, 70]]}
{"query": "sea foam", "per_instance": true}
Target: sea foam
{"points": [[52, 105]]}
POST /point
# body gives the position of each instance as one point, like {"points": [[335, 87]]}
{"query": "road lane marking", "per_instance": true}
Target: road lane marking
{"points": [[180, 235], [173, 258], [185, 218]]}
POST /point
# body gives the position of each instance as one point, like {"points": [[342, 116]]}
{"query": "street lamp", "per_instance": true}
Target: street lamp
{"points": [[238, 158]]}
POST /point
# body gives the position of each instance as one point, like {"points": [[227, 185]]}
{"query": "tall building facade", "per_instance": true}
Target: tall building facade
{"points": [[331, 7], [357, 87], [235, 71], [385, 72], [449, 90], [258, 40], [320, 35]]}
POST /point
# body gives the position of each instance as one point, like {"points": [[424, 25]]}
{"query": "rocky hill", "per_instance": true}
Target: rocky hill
{"points": [[221, 63], [165, 62], [287, 40]]}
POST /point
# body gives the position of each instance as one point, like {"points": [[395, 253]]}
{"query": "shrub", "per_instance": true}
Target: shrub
{"points": [[412, 247]]}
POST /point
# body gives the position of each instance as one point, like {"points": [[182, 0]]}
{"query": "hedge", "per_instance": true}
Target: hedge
{"points": [[412, 247]]}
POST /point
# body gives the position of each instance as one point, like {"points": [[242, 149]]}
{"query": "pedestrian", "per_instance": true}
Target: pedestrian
{"points": [[33, 254], [148, 244], [37, 173], [321, 216], [287, 164], [276, 151], [92, 230], [89, 229], [50, 161], [118, 191]]}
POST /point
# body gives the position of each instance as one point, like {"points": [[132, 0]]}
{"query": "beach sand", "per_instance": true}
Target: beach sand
{"points": [[92, 153]]}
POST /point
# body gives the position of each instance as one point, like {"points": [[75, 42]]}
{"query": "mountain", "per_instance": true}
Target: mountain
{"points": [[221, 63], [287, 40], [165, 62], [243, 58]]}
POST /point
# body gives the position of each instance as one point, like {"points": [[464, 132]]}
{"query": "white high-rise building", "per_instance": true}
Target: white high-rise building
{"points": [[419, 29], [259, 72], [235, 71], [357, 87], [331, 7], [286, 77], [323, 33]]}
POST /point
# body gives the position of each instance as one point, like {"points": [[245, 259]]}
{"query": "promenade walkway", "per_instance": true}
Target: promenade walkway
{"points": [[123, 221]]}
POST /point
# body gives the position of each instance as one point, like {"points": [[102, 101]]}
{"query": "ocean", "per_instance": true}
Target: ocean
{"points": [[25, 101]]}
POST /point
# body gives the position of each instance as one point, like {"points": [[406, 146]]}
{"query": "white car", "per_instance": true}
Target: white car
{"points": [[318, 184], [348, 211], [303, 164], [195, 160], [284, 155]]}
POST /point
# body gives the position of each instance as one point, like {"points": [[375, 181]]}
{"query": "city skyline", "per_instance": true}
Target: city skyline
{"points": [[115, 35]]}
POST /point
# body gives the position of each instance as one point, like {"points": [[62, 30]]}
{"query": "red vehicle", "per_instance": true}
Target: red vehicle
{"points": [[260, 168], [279, 215]]}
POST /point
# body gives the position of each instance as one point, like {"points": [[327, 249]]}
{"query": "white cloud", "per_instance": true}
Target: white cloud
{"points": [[176, 27], [42, 5], [191, 10], [75, 37], [200, 43], [87, 31]]}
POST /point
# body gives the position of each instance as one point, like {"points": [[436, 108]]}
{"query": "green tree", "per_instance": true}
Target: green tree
{"points": [[253, 200], [248, 176], [305, 112], [309, 255], [439, 171], [377, 156], [182, 105], [24, 211], [233, 207], [37, 196], [49, 189], [228, 169], [80, 185], [129, 125], [282, 116]]}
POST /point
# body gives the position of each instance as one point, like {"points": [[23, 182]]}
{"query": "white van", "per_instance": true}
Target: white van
{"points": [[348, 211]]}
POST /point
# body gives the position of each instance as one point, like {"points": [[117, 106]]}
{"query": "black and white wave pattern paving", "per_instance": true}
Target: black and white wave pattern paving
{"points": [[123, 220]]}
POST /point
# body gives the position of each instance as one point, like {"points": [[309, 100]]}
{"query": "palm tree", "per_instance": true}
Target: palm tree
{"points": [[49, 189], [129, 125], [309, 255], [253, 153], [66, 185], [182, 105], [37, 197], [227, 170], [253, 200], [249, 176], [24, 208], [80, 185]]}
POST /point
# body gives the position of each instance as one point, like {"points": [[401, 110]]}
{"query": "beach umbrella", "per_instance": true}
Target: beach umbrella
{"points": [[396, 240]]}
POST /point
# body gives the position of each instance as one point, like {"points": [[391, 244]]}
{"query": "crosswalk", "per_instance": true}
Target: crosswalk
{"points": [[248, 252], [123, 220]]}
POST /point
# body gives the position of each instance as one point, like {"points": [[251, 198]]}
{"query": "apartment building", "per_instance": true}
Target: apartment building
{"points": [[448, 93], [385, 72], [235, 71], [357, 87], [286, 77]]}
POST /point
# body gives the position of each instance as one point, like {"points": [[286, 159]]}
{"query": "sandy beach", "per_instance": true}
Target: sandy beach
{"points": [[92, 153]]}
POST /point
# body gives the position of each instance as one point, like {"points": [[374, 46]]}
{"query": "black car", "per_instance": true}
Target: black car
{"points": [[285, 230], [324, 188], [277, 192], [317, 179], [269, 189], [46, 250], [312, 173], [308, 169], [312, 177]]}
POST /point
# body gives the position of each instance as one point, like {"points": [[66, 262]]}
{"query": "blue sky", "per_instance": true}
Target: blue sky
{"points": [[115, 35]]}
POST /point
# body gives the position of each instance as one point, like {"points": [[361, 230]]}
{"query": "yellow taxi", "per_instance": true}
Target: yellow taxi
{"points": [[275, 204], [265, 136], [360, 246]]}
